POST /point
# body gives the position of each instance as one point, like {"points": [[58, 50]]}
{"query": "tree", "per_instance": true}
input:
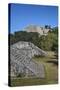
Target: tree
{"points": [[48, 42], [12, 39]]}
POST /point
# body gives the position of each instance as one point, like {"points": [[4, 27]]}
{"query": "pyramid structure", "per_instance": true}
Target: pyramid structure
{"points": [[21, 61]]}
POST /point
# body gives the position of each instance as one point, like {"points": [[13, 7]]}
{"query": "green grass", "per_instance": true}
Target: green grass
{"points": [[51, 72], [27, 81], [51, 68]]}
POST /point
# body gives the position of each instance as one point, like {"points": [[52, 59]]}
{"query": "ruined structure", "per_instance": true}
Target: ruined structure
{"points": [[40, 30], [21, 61]]}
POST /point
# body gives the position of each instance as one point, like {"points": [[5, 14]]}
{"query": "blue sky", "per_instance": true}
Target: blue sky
{"points": [[22, 15]]}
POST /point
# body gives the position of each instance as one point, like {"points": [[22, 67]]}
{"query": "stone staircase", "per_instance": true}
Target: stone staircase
{"points": [[23, 58]]}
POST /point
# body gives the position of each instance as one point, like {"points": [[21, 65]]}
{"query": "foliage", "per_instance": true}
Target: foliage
{"points": [[48, 42]]}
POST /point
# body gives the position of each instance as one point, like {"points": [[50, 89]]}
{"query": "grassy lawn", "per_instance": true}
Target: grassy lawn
{"points": [[27, 81], [51, 72], [51, 67]]}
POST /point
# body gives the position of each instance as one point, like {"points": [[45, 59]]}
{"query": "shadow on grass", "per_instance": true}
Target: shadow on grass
{"points": [[55, 57], [53, 62]]}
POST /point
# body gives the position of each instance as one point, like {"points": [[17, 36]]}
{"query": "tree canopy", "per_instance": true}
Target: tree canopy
{"points": [[48, 42]]}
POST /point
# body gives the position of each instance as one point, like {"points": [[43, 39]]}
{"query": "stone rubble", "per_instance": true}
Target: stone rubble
{"points": [[21, 60]]}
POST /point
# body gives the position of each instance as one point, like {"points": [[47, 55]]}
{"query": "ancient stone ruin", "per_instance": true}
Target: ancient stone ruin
{"points": [[21, 62], [38, 29]]}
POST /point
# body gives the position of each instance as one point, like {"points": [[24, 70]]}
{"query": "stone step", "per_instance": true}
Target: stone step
{"points": [[28, 63]]}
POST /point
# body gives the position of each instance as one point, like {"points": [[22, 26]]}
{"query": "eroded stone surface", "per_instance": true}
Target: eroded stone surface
{"points": [[21, 62]]}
